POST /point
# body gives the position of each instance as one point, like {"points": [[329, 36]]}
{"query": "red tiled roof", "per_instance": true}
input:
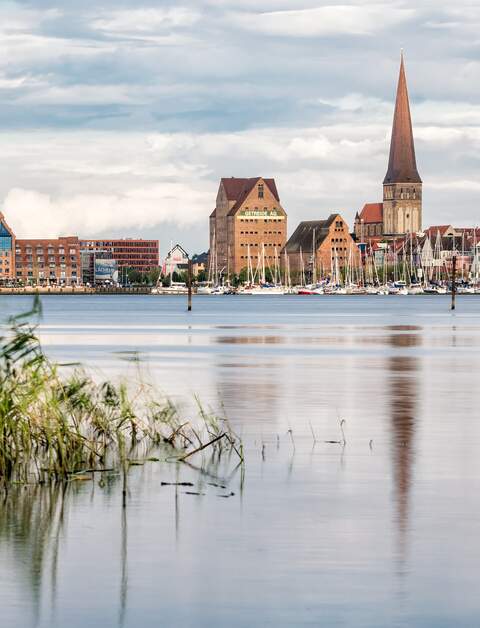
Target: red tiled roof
{"points": [[372, 213], [432, 231], [237, 189]]}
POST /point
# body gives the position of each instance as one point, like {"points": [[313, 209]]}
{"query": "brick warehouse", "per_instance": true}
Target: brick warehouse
{"points": [[331, 241], [247, 222]]}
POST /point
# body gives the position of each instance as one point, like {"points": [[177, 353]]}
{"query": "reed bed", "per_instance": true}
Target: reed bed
{"points": [[57, 423]]}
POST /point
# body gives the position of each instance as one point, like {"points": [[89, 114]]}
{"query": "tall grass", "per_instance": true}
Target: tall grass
{"points": [[55, 422]]}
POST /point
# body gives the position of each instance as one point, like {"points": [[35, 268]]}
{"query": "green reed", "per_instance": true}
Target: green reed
{"points": [[57, 422]]}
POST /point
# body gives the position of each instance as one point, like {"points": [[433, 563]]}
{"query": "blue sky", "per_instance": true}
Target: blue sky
{"points": [[119, 117]]}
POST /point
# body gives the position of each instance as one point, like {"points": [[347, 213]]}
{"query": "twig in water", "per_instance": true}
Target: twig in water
{"points": [[195, 451], [313, 433], [291, 437], [343, 433]]}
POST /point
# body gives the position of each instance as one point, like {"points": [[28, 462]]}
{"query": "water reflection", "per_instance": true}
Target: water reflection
{"points": [[32, 521], [403, 391]]}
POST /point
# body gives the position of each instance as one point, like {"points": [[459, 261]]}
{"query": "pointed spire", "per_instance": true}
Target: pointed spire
{"points": [[402, 166]]}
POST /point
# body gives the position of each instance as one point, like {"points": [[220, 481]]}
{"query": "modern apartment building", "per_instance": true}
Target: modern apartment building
{"points": [[7, 252], [141, 255], [49, 261]]}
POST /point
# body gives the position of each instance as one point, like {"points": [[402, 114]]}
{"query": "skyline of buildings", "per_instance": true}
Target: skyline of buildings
{"points": [[248, 223]]}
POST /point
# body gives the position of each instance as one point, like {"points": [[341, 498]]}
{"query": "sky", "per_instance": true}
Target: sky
{"points": [[119, 117]]}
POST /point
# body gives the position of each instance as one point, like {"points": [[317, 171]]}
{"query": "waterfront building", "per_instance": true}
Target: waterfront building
{"points": [[401, 210], [48, 261], [98, 266], [7, 252], [248, 224], [320, 247], [199, 263], [176, 261], [137, 254]]}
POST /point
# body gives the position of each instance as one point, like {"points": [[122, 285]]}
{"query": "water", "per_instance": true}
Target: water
{"points": [[380, 532]]}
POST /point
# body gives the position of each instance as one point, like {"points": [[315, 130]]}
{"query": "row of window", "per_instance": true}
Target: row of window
{"points": [[264, 233], [52, 275], [259, 220], [265, 244], [41, 251], [255, 257], [31, 266], [404, 193]]}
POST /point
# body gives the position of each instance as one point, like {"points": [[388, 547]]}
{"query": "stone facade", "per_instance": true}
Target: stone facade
{"points": [[248, 223]]}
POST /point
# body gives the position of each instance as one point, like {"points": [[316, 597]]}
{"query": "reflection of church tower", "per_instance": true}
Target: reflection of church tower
{"points": [[403, 391], [402, 186]]}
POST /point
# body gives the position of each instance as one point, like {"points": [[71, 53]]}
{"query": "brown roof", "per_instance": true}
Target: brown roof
{"points": [[372, 213], [302, 237], [432, 231], [402, 166], [237, 189]]}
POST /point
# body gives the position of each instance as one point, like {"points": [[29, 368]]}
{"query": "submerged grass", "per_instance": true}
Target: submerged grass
{"points": [[56, 424]]}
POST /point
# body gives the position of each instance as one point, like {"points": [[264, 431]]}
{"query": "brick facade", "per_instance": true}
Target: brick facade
{"points": [[51, 261], [248, 223]]}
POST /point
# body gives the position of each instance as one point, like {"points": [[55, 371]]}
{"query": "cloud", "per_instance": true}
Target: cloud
{"points": [[122, 116], [327, 20], [131, 22]]}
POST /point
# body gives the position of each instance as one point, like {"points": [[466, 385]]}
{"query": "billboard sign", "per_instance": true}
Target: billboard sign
{"points": [[106, 270]]}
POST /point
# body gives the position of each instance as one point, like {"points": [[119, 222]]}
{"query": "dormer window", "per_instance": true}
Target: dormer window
{"points": [[260, 190]]}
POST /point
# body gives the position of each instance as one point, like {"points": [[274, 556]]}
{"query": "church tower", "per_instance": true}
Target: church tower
{"points": [[402, 186]]}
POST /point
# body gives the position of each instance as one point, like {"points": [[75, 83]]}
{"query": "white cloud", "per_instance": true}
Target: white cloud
{"points": [[327, 20]]}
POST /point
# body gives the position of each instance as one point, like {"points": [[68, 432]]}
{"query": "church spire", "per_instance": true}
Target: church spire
{"points": [[402, 166]]}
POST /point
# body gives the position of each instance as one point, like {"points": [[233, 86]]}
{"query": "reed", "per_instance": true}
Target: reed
{"points": [[56, 423]]}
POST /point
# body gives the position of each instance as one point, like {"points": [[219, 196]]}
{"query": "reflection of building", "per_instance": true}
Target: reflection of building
{"points": [[401, 210], [248, 223], [53, 261], [403, 394], [7, 249], [176, 260], [331, 240], [141, 255]]}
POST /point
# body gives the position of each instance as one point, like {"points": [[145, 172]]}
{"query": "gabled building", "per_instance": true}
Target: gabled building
{"points": [[369, 222], [401, 210], [176, 260], [318, 247], [248, 222], [7, 251]]}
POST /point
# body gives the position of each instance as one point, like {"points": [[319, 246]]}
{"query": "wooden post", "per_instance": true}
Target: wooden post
{"points": [[454, 286], [189, 283]]}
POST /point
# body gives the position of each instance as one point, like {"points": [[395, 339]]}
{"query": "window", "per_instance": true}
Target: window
{"points": [[260, 190]]}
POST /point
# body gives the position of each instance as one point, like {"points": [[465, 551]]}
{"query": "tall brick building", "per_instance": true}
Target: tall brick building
{"points": [[401, 210], [247, 222], [320, 245]]}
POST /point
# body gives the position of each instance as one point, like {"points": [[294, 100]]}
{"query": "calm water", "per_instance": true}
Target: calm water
{"points": [[382, 532]]}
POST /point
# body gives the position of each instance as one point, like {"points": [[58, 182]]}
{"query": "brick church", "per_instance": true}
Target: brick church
{"points": [[401, 210]]}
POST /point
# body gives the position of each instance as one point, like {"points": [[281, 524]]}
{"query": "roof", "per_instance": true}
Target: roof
{"points": [[237, 189], [307, 230], [442, 229], [402, 165], [372, 212]]}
